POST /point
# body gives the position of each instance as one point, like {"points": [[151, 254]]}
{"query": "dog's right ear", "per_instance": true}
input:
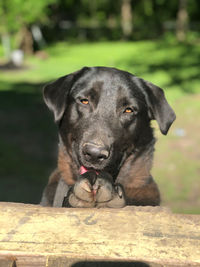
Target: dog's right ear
{"points": [[55, 93]]}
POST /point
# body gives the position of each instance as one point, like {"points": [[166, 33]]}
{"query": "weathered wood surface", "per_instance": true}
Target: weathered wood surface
{"points": [[31, 235]]}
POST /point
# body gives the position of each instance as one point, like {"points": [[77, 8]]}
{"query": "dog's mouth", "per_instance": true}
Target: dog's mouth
{"points": [[108, 165], [83, 170], [92, 165]]}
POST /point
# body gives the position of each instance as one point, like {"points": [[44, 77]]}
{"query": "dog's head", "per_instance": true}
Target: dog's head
{"points": [[103, 113]]}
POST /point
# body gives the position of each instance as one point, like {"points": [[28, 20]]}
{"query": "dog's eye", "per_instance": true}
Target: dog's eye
{"points": [[84, 101], [128, 110]]}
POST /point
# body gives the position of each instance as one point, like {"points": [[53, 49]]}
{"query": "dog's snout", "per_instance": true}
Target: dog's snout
{"points": [[94, 152]]}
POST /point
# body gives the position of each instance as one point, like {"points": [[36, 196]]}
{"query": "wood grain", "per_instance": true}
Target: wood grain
{"points": [[31, 235]]}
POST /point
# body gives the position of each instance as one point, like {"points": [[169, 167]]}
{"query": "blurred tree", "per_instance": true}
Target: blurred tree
{"points": [[126, 18], [17, 15], [95, 20], [118, 19], [182, 21]]}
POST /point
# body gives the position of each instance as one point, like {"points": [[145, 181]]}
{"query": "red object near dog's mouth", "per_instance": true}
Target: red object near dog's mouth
{"points": [[83, 170]]}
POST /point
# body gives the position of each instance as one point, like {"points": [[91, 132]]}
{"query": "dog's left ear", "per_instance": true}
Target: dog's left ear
{"points": [[55, 93], [159, 109]]}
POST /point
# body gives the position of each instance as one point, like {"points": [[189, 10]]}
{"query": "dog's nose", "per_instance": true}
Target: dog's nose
{"points": [[94, 152]]}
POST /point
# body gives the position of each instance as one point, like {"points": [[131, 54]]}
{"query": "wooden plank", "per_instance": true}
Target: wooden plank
{"points": [[7, 263], [38, 236]]}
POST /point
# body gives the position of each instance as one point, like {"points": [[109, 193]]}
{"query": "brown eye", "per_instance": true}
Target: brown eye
{"points": [[84, 101], [128, 110]]}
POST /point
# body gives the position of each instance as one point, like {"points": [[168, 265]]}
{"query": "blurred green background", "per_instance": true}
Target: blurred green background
{"points": [[158, 40]]}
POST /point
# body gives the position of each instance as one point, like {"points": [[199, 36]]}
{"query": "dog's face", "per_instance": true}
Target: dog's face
{"points": [[104, 114]]}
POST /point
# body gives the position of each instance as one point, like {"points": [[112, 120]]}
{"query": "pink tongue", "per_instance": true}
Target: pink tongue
{"points": [[83, 170]]}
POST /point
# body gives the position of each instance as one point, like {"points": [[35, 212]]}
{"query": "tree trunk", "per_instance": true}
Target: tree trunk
{"points": [[6, 45], [182, 21], [26, 41], [126, 18]]}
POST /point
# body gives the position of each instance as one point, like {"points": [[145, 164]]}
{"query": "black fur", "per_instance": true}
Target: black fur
{"points": [[104, 115]]}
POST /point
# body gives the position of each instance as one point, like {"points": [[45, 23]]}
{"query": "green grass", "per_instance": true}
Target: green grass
{"points": [[28, 137], [170, 65], [177, 165]]}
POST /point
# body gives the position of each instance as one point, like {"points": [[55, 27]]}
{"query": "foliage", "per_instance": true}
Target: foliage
{"points": [[96, 19], [16, 13], [167, 63], [101, 19]]}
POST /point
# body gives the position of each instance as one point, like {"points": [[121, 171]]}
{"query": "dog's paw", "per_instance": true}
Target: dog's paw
{"points": [[83, 187], [103, 188], [95, 190], [108, 194], [75, 202], [81, 195], [117, 199]]}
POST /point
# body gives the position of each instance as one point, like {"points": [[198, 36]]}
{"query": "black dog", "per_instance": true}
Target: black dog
{"points": [[106, 143]]}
